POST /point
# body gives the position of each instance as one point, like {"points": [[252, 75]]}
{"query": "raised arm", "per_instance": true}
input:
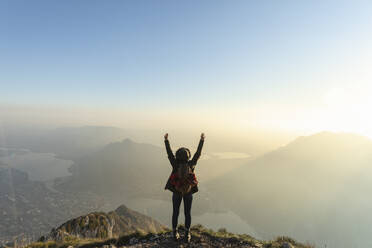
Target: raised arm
{"points": [[197, 154], [171, 158]]}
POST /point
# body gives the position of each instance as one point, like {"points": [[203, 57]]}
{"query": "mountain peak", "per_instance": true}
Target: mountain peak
{"points": [[127, 141], [122, 221], [122, 209]]}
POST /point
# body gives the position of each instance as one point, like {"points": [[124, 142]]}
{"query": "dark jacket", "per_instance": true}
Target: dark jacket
{"points": [[175, 164]]}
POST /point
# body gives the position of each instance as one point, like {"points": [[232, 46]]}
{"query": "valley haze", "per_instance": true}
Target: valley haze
{"points": [[321, 166]]}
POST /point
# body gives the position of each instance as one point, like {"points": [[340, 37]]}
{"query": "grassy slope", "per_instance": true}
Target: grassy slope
{"points": [[201, 237]]}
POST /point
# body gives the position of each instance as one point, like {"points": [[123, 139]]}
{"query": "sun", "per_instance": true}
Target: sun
{"points": [[348, 110]]}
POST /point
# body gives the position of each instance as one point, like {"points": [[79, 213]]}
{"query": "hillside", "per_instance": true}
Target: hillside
{"points": [[201, 237], [121, 168], [322, 180]]}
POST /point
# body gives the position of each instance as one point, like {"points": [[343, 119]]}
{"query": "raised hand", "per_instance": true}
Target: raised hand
{"points": [[202, 136], [166, 136]]}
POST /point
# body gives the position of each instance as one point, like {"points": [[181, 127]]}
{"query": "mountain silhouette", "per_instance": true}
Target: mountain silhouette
{"points": [[123, 168], [310, 189], [66, 142]]}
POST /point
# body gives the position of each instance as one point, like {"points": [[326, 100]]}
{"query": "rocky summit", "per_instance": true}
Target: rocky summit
{"points": [[201, 237], [100, 225]]}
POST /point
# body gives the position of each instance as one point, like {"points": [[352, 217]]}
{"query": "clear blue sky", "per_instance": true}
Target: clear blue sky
{"points": [[184, 53]]}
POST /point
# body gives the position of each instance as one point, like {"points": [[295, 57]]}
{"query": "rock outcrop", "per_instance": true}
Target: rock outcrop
{"points": [[122, 221]]}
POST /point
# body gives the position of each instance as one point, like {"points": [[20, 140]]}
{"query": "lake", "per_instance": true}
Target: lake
{"points": [[39, 166]]}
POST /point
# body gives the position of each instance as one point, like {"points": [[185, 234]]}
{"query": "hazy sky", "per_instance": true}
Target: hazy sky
{"points": [[301, 65]]}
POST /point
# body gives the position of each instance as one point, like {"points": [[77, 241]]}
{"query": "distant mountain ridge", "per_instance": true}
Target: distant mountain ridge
{"points": [[305, 146], [67, 142], [122, 221]]}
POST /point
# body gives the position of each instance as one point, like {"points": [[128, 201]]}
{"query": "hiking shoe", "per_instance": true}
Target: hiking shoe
{"points": [[176, 235], [187, 236]]}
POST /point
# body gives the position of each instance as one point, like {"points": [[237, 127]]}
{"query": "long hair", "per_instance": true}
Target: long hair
{"points": [[183, 154]]}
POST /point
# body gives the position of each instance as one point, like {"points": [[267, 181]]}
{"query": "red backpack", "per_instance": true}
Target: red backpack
{"points": [[184, 179]]}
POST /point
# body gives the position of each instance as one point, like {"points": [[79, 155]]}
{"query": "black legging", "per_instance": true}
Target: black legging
{"points": [[187, 201]]}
